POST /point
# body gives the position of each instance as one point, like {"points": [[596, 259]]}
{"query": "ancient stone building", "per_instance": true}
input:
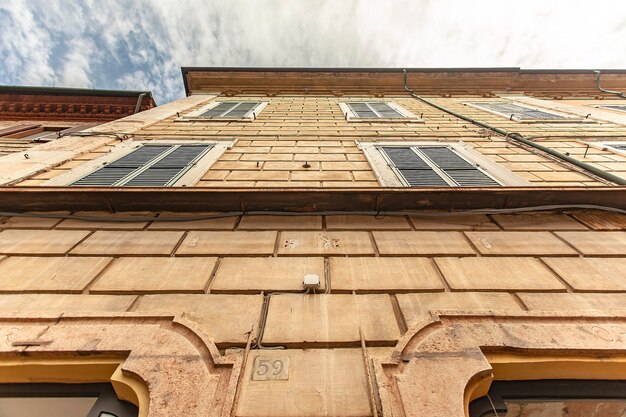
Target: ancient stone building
{"points": [[326, 242]]}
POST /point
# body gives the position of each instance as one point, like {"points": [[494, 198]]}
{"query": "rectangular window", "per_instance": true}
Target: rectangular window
{"points": [[231, 109], [617, 147], [373, 109], [376, 110], [617, 107], [226, 111], [517, 112], [152, 165], [436, 166]]}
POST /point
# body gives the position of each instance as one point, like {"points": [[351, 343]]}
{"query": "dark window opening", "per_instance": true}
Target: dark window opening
{"points": [[63, 400], [552, 398]]}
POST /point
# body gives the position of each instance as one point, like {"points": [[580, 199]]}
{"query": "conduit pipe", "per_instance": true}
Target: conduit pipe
{"points": [[617, 93], [519, 138]]}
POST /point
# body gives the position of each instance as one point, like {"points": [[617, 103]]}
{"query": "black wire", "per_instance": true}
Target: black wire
{"points": [[127, 218]]}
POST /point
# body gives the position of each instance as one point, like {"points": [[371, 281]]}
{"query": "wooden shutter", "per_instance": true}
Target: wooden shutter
{"points": [[231, 109], [241, 110], [384, 110], [361, 110], [413, 169], [149, 165], [220, 109], [167, 170], [374, 109], [436, 166], [615, 107], [519, 111], [457, 168]]}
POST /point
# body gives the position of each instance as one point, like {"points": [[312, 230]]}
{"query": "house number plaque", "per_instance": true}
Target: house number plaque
{"points": [[268, 368]]}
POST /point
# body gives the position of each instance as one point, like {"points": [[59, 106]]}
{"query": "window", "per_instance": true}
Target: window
{"points": [[227, 111], [617, 147], [376, 110], [554, 398], [616, 107], [63, 400], [38, 133], [149, 166], [435, 165], [149, 163], [523, 114]]}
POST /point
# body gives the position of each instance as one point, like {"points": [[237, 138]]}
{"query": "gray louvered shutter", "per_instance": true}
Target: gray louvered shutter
{"points": [[519, 111], [384, 110], [412, 167], [615, 107], [149, 165], [457, 168], [241, 110], [361, 110], [220, 109], [119, 169], [168, 169]]}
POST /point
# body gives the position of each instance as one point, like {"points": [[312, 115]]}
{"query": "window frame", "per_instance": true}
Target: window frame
{"points": [[407, 116], [196, 115], [106, 398], [607, 146], [607, 107], [388, 176], [545, 389], [189, 178], [565, 118]]}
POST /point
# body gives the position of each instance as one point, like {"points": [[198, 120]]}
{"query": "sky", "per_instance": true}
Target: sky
{"points": [[141, 44]]}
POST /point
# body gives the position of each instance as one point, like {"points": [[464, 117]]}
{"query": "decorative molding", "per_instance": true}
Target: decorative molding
{"points": [[452, 356], [182, 369]]}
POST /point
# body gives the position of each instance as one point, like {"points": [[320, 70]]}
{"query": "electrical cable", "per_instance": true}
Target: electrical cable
{"points": [[263, 321], [314, 213]]}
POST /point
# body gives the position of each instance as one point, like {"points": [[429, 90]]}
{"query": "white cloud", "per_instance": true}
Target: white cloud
{"points": [[142, 44]]}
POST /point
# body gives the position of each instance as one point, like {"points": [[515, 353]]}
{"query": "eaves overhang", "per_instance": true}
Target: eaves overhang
{"points": [[339, 81], [303, 200]]}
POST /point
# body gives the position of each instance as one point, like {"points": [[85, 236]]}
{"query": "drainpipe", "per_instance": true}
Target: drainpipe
{"points": [[519, 138], [617, 93], [139, 100]]}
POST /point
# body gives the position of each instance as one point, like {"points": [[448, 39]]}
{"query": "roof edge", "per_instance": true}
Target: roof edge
{"points": [[71, 91]]}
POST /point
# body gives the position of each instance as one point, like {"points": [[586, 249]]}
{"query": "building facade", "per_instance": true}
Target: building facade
{"points": [[329, 242], [34, 115]]}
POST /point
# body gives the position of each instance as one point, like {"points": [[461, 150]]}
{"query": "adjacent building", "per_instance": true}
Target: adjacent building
{"points": [[326, 242], [33, 115]]}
